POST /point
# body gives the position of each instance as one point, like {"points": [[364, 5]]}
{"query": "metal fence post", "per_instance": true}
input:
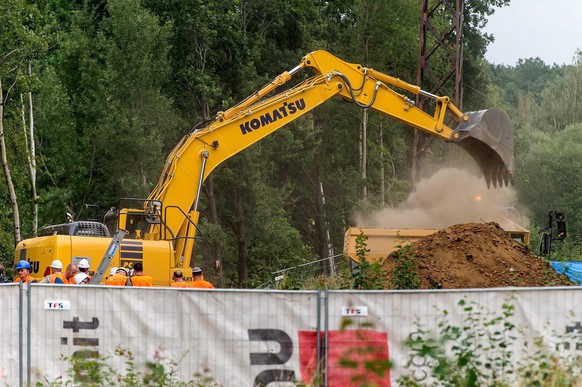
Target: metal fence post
{"points": [[326, 341], [20, 335], [28, 334]]}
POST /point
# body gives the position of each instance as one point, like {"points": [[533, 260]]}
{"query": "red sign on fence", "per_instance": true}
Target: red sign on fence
{"points": [[354, 357]]}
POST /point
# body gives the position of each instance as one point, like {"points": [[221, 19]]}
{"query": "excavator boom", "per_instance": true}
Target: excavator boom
{"points": [[163, 229], [487, 135]]}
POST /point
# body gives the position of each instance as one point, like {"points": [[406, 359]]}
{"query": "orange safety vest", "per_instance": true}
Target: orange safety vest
{"points": [[142, 280], [202, 284], [58, 278], [180, 284], [28, 279], [116, 280]]}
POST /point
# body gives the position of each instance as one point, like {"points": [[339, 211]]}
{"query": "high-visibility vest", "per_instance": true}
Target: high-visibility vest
{"points": [[142, 280], [58, 278], [117, 280], [28, 279], [202, 284], [180, 284]]}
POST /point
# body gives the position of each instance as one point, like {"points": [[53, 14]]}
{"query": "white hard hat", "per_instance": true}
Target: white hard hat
{"points": [[56, 264], [113, 271], [83, 264], [80, 277], [124, 270]]}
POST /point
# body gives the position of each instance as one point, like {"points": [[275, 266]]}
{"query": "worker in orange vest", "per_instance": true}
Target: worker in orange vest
{"points": [[111, 274], [84, 267], [23, 269], [121, 278], [178, 279], [199, 281], [138, 278], [56, 277], [70, 273]]}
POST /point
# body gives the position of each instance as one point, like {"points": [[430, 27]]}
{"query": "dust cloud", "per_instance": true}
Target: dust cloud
{"points": [[450, 196]]}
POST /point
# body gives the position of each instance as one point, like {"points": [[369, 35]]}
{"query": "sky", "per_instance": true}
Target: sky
{"points": [[548, 29]]}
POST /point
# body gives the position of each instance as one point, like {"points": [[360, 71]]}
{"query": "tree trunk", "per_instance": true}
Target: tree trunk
{"points": [[415, 155], [30, 153], [7, 173], [364, 154], [320, 219], [240, 229], [382, 170], [215, 248]]}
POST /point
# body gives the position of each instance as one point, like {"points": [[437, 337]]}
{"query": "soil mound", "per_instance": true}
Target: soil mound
{"points": [[478, 255]]}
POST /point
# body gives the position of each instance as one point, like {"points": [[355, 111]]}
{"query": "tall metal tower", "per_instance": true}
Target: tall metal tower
{"points": [[441, 39]]}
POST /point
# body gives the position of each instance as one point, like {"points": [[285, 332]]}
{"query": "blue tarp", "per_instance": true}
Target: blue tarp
{"points": [[571, 269]]}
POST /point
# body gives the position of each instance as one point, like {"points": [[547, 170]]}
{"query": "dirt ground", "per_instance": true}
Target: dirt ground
{"points": [[478, 255]]}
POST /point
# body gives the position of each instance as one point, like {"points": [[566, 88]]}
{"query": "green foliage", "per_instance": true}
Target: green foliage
{"points": [[88, 369], [121, 77], [481, 352], [477, 353], [544, 367], [405, 274], [547, 177], [566, 251], [367, 276]]}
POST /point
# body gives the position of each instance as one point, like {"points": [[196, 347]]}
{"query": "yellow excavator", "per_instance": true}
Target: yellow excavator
{"points": [[160, 231]]}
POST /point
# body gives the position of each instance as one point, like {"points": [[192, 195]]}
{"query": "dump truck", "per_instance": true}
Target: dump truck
{"points": [[381, 242]]}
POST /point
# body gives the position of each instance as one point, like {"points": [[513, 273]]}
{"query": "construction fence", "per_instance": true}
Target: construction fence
{"points": [[260, 337]]}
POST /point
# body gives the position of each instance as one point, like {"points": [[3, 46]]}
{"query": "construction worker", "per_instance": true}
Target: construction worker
{"points": [[81, 278], [178, 279], [84, 267], [111, 273], [56, 277], [121, 278], [23, 269], [70, 273], [199, 281], [138, 278]]}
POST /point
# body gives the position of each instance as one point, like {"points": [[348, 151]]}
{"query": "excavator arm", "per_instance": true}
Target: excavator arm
{"points": [[486, 135]]}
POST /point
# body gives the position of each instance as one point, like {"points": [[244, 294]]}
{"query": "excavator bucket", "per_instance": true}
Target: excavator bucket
{"points": [[487, 135]]}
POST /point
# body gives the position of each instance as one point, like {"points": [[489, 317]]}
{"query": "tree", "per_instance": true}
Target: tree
{"points": [[560, 100], [111, 64], [20, 41], [547, 176]]}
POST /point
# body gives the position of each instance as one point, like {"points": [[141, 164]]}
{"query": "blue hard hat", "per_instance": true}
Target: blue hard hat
{"points": [[23, 265]]}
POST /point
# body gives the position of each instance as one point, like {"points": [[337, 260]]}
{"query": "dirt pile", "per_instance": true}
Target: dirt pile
{"points": [[478, 255]]}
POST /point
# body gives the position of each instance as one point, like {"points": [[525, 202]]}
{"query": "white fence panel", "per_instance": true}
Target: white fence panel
{"points": [[250, 337], [539, 312], [10, 334], [238, 338]]}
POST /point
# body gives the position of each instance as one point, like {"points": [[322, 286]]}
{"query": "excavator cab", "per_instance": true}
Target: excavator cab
{"points": [[487, 135]]}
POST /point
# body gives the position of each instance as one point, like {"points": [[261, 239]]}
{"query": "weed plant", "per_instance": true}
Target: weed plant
{"points": [[367, 276], [86, 369], [481, 352], [405, 275]]}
